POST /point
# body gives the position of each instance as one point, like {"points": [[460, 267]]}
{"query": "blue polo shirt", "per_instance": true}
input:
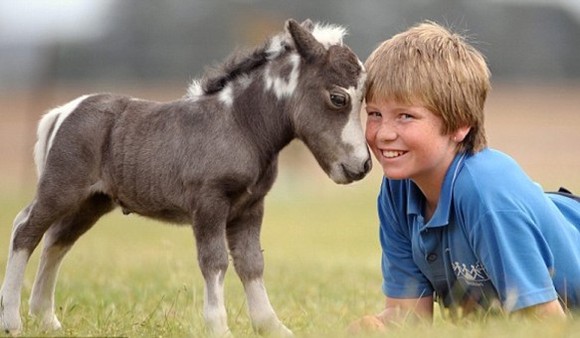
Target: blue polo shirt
{"points": [[495, 235]]}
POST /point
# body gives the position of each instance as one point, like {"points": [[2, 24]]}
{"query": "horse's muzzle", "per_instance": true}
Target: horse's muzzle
{"points": [[356, 174]]}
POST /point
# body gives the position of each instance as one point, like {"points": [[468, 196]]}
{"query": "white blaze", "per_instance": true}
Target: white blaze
{"points": [[353, 132]]}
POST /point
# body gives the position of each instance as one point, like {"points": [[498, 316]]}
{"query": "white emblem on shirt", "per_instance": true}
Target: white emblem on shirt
{"points": [[473, 275]]}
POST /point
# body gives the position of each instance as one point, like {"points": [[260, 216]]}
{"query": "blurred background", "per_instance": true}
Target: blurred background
{"points": [[315, 233], [52, 51]]}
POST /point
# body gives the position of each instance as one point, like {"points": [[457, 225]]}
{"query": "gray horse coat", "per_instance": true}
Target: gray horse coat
{"points": [[207, 160]]}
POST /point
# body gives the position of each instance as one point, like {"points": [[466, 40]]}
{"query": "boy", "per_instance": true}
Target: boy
{"points": [[458, 221]]}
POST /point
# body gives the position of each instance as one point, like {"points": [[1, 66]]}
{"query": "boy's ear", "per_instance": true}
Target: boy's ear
{"points": [[460, 134]]}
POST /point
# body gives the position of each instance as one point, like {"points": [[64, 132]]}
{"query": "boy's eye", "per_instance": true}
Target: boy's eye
{"points": [[406, 116], [374, 114]]}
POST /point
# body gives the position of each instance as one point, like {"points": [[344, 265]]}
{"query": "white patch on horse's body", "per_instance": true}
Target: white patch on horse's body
{"points": [[329, 35], [48, 125], [276, 47], [226, 96], [214, 310], [284, 87], [11, 288], [244, 81]]}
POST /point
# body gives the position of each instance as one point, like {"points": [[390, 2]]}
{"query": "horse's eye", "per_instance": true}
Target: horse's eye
{"points": [[339, 100]]}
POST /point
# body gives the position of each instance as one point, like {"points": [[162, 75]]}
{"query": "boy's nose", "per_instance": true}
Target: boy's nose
{"points": [[386, 133]]}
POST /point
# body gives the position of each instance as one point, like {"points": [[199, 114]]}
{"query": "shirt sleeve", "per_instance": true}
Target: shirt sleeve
{"points": [[516, 257], [401, 276]]}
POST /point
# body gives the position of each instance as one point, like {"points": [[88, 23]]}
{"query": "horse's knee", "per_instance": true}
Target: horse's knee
{"points": [[212, 260]]}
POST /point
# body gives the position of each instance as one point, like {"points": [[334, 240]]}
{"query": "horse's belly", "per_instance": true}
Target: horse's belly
{"points": [[165, 213]]}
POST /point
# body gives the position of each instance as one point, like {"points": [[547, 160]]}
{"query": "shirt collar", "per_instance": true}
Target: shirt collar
{"points": [[415, 198]]}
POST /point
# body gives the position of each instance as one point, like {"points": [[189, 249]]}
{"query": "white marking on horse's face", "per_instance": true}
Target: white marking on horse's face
{"points": [[226, 95], [44, 141], [284, 87], [329, 35], [352, 133]]}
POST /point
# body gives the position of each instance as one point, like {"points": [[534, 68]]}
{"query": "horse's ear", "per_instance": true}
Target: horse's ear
{"points": [[306, 45], [308, 25]]}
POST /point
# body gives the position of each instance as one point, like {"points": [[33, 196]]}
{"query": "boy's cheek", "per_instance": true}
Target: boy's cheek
{"points": [[370, 136], [375, 151]]}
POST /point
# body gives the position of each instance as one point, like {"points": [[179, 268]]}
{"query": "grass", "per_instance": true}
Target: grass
{"points": [[133, 277]]}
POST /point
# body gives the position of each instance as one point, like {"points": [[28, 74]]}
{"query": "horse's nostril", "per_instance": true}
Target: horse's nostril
{"points": [[368, 165]]}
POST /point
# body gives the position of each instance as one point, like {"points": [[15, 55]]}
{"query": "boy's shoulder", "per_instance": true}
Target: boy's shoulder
{"points": [[492, 175], [489, 159], [490, 166]]}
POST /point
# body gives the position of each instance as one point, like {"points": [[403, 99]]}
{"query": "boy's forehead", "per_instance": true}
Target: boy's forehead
{"points": [[392, 100], [394, 104]]}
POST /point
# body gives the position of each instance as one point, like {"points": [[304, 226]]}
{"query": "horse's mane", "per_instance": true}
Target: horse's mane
{"points": [[241, 63], [238, 64]]}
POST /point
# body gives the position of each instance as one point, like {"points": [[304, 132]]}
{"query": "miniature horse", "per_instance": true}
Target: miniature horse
{"points": [[207, 160]]}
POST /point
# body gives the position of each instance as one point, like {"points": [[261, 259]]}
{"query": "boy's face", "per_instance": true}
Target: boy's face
{"points": [[408, 143]]}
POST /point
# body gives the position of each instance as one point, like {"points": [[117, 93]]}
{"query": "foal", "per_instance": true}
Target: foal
{"points": [[206, 160]]}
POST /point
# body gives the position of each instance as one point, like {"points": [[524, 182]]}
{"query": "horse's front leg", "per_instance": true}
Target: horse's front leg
{"points": [[243, 236], [209, 228]]}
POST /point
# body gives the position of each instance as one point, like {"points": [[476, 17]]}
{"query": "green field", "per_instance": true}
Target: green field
{"points": [[130, 276]]}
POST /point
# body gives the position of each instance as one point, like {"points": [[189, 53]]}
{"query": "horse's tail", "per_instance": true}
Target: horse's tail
{"points": [[47, 129]]}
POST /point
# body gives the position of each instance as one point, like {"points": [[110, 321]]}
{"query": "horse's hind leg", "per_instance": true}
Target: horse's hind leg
{"points": [[29, 227], [57, 242], [15, 268], [243, 236], [51, 205]]}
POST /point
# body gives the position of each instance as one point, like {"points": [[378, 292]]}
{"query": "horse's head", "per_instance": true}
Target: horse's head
{"points": [[327, 100]]}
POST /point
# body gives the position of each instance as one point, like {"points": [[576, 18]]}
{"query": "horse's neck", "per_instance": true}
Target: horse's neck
{"points": [[265, 121]]}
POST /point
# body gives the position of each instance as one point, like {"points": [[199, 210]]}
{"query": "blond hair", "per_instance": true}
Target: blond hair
{"points": [[430, 66]]}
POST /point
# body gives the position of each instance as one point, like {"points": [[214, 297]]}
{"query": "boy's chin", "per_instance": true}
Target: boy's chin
{"points": [[394, 175]]}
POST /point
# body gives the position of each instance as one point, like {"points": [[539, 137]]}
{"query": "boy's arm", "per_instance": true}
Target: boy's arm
{"points": [[400, 310], [550, 309]]}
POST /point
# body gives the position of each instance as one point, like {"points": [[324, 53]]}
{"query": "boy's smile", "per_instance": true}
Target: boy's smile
{"points": [[390, 154]]}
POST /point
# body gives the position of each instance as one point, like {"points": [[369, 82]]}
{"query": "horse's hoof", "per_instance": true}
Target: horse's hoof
{"points": [[51, 324], [276, 329], [12, 329]]}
